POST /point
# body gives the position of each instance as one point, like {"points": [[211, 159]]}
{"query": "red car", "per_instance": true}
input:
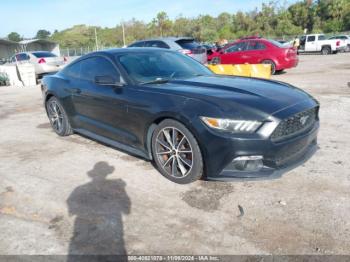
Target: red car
{"points": [[253, 50]]}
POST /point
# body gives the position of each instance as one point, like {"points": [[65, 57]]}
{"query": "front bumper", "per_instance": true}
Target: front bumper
{"points": [[277, 156]]}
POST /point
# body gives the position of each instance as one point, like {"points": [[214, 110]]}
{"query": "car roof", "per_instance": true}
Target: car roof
{"points": [[168, 38], [113, 51]]}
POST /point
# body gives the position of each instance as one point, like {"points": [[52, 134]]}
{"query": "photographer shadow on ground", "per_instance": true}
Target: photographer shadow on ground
{"points": [[98, 207]]}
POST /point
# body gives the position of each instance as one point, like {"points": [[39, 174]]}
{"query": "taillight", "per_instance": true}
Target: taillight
{"points": [[338, 43], [41, 61], [290, 52], [186, 51]]}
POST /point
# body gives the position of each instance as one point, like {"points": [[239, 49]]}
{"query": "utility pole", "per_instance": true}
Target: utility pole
{"points": [[123, 34], [96, 40]]}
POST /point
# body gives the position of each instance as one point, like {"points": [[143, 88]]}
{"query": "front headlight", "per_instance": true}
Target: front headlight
{"points": [[230, 125]]}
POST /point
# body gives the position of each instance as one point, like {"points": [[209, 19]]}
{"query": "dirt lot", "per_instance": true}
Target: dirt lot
{"points": [[73, 195]]}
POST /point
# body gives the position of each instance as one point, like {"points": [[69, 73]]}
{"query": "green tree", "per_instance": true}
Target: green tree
{"points": [[42, 34], [14, 36], [162, 23]]}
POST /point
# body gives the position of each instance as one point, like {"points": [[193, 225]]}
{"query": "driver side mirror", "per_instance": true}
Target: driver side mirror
{"points": [[107, 81]]}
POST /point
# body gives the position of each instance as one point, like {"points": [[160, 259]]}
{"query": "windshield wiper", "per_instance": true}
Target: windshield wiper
{"points": [[157, 81]]}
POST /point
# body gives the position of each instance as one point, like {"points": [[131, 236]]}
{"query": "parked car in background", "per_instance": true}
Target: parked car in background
{"points": [[318, 43], [255, 50], [346, 38], [209, 47], [166, 107], [44, 62], [185, 45], [3, 61]]}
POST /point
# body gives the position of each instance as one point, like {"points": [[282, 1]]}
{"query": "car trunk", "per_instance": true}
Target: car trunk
{"points": [[193, 49]]}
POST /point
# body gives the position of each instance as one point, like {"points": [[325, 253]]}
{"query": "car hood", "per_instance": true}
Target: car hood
{"points": [[254, 94]]}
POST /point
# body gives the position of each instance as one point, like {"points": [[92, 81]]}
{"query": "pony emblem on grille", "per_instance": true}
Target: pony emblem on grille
{"points": [[303, 119]]}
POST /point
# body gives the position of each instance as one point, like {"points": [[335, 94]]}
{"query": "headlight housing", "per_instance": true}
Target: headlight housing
{"points": [[230, 125]]}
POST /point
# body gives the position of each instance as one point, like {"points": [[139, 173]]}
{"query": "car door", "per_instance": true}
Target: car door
{"points": [[101, 109], [310, 44], [254, 52], [235, 54]]}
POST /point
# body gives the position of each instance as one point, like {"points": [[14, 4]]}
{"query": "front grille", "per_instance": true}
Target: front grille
{"points": [[295, 124]]}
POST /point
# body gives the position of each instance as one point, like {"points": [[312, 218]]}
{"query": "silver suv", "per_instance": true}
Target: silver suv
{"points": [[185, 45]]}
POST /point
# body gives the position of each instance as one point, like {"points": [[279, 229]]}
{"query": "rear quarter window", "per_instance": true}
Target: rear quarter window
{"points": [[276, 43], [137, 44], [189, 44], [43, 54], [159, 44]]}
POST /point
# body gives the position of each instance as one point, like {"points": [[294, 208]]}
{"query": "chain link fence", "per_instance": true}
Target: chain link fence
{"points": [[79, 51]]}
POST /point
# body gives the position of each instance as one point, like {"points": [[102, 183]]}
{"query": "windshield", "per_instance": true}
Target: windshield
{"points": [[144, 67]]}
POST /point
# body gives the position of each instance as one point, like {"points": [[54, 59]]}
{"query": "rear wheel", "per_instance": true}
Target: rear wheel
{"points": [[176, 152], [273, 66], [326, 50], [58, 117]]}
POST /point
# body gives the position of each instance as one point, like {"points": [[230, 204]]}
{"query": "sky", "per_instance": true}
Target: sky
{"points": [[28, 16]]}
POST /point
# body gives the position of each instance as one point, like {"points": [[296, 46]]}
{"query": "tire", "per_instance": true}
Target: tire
{"points": [[273, 65], [58, 117], [347, 49], [176, 152], [326, 50]]}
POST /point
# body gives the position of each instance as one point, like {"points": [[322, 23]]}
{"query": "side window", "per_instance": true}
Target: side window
{"points": [[255, 45], [159, 44], [311, 38], [321, 37], [261, 46], [97, 66], [137, 44], [241, 46], [73, 70]]}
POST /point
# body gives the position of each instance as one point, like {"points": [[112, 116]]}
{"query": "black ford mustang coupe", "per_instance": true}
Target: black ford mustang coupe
{"points": [[166, 107]]}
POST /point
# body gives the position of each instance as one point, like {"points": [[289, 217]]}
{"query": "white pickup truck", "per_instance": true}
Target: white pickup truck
{"points": [[319, 43]]}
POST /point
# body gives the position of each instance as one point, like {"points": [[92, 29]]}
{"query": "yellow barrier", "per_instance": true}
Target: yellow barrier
{"points": [[257, 70]]}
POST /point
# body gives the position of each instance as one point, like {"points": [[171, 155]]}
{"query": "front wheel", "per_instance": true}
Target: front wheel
{"points": [[58, 117], [176, 152]]}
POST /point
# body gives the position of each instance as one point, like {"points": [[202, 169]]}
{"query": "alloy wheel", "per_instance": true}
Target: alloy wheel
{"points": [[174, 152], [55, 115]]}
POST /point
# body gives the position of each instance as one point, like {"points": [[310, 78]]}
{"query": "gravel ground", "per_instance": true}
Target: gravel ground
{"points": [[74, 196]]}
